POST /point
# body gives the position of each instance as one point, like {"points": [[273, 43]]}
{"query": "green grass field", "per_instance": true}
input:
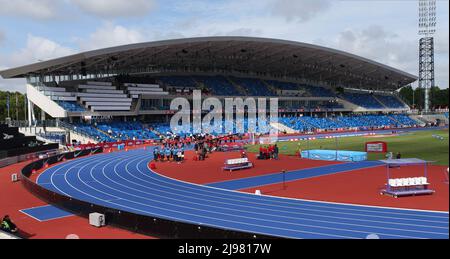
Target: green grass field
{"points": [[420, 144]]}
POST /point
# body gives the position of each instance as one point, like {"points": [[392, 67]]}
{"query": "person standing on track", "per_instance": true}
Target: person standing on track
{"points": [[155, 154], [168, 153], [275, 152]]}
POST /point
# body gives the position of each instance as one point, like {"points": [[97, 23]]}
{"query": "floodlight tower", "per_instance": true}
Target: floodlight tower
{"points": [[427, 28]]}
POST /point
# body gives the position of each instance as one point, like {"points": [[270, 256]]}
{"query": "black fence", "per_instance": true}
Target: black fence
{"points": [[147, 225]]}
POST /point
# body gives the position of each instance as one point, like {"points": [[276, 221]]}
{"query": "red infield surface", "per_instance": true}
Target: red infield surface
{"points": [[363, 187], [13, 197]]}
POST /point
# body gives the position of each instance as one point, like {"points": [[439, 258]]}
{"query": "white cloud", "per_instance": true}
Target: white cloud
{"points": [[115, 8], [299, 10], [37, 9], [375, 43], [110, 35], [36, 49]]}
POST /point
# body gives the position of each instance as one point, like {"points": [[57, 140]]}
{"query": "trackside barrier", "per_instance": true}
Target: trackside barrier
{"points": [[130, 143], [134, 222], [16, 159]]}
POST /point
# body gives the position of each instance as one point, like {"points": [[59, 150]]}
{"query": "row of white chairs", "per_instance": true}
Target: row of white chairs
{"points": [[411, 181], [237, 161]]}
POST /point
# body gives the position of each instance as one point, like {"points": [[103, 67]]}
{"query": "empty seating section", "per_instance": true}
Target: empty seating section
{"points": [[253, 87], [58, 94], [222, 128], [116, 130], [363, 99], [103, 96], [390, 101], [317, 91], [218, 85], [294, 123], [92, 132], [333, 105], [71, 106], [404, 120], [283, 85], [67, 100], [307, 123], [161, 128], [178, 81], [93, 95], [352, 122], [127, 130], [321, 123], [136, 90]]}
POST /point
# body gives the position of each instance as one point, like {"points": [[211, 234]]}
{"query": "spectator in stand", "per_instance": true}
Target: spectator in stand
{"points": [[8, 225]]}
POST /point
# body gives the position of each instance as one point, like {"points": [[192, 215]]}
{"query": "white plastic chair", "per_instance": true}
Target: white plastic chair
{"points": [[405, 182], [392, 183]]}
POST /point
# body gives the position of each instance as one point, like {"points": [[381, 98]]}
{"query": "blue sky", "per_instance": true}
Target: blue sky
{"points": [[386, 31]]}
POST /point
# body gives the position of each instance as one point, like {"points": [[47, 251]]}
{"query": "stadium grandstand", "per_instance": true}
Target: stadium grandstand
{"points": [[97, 93]]}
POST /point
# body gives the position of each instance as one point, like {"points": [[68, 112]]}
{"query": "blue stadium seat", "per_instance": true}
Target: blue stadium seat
{"points": [[218, 85], [307, 123], [71, 106], [363, 99], [254, 87], [390, 101]]}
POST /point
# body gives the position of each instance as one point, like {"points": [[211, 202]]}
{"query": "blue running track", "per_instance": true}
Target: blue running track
{"points": [[293, 175], [123, 181]]}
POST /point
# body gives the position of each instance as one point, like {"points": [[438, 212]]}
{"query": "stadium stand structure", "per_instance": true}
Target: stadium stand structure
{"points": [[138, 82], [103, 96]]}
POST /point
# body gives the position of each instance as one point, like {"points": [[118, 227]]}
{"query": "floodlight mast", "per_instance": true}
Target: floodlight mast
{"points": [[427, 28]]}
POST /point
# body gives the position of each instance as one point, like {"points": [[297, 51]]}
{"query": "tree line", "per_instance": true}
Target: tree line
{"points": [[415, 98], [17, 109]]}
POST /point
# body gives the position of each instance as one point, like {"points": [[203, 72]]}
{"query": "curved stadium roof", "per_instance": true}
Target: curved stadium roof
{"points": [[269, 57]]}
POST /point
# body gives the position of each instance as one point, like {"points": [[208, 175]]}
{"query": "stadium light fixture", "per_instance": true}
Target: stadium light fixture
{"points": [[427, 17], [427, 28]]}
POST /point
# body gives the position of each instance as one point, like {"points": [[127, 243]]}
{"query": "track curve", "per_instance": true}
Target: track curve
{"points": [[123, 181]]}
